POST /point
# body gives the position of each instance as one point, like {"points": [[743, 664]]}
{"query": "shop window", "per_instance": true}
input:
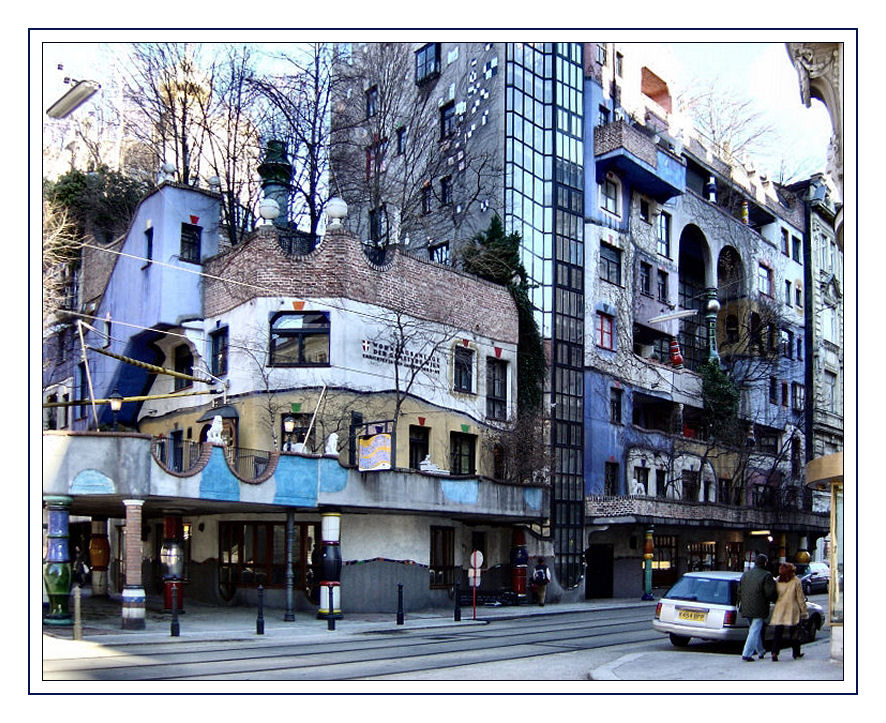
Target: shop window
{"points": [[254, 553], [442, 557]]}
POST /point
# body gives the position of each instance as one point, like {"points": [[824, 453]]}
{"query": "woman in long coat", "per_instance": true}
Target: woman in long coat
{"points": [[789, 609]]}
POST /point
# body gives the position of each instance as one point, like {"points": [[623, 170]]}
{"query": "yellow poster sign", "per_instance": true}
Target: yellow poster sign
{"points": [[375, 453]]}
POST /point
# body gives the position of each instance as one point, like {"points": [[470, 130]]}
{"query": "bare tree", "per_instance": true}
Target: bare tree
{"points": [[196, 111], [736, 124]]}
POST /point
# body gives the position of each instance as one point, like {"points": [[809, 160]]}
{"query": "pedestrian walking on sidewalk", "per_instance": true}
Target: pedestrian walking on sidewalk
{"points": [[540, 579], [789, 610], [756, 590]]}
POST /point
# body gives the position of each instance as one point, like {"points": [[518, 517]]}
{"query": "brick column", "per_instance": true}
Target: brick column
{"points": [[133, 591]]}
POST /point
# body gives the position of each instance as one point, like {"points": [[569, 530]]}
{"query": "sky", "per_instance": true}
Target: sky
{"points": [[760, 71]]}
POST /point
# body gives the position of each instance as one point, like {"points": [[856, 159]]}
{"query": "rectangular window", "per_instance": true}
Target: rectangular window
{"points": [[798, 397], [463, 378], [604, 331], [401, 140], [496, 388], [609, 196], [619, 64], [798, 249], [785, 244], [149, 246], [784, 394], [610, 479], [610, 263], [829, 392], [427, 195], [764, 280], [664, 234], [375, 159], [299, 339], [645, 279], [439, 253], [663, 286], [302, 432], [773, 390], [190, 243], [184, 364], [447, 121], [615, 405], [372, 101], [601, 53], [661, 483], [798, 296], [219, 362], [427, 62], [644, 210], [462, 453], [641, 477], [788, 296], [690, 485], [442, 557], [446, 191], [787, 344], [419, 445], [602, 115], [378, 226]]}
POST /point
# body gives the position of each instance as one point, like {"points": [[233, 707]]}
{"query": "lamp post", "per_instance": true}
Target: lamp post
{"points": [[289, 428], [116, 400]]}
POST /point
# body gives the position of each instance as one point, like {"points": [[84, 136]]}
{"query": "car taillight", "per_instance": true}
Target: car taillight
{"points": [[729, 617], [658, 611]]}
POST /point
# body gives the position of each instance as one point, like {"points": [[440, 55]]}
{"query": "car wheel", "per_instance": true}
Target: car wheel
{"points": [[681, 641]]}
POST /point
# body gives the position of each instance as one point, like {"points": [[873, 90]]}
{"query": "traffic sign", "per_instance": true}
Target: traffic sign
{"points": [[476, 559]]}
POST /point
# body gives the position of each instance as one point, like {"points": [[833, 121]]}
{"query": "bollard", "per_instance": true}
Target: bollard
{"points": [[330, 621], [174, 627], [399, 603], [78, 623], [330, 624], [457, 615], [260, 620]]}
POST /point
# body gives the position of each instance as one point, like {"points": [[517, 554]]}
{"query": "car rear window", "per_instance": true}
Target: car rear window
{"points": [[705, 589]]}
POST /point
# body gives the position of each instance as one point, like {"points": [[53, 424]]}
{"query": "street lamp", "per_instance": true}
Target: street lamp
{"points": [[80, 92], [289, 428], [116, 400]]}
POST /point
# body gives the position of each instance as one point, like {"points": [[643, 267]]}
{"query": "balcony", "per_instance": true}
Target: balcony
{"points": [[637, 156], [653, 510]]}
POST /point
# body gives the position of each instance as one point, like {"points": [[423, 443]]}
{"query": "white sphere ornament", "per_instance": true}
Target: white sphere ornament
{"points": [[269, 209], [336, 210]]}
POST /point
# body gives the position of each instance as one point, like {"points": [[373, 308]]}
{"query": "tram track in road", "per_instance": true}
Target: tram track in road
{"points": [[365, 656]]}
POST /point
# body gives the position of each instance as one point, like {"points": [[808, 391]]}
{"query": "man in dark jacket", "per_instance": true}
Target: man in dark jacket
{"points": [[755, 591]]}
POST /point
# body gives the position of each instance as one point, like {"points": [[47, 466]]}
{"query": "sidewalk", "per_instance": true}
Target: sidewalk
{"points": [[101, 634]]}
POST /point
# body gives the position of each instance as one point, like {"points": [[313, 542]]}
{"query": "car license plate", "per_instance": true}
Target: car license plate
{"points": [[694, 616]]}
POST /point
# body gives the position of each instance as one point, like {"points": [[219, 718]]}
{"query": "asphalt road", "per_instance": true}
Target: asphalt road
{"points": [[555, 646]]}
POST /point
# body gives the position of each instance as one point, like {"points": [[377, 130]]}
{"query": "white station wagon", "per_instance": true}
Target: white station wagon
{"points": [[705, 605]]}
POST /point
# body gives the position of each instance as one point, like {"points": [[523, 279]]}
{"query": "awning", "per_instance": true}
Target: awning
{"points": [[225, 412]]}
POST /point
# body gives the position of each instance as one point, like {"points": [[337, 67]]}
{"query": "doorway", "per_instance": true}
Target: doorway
{"points": [[599, 571]]}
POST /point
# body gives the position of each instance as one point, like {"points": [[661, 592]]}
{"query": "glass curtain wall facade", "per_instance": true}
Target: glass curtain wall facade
{"points": [[544, 203]]}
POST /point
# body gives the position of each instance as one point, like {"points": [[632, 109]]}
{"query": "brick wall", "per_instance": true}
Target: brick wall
{"points": [[338, 268]]}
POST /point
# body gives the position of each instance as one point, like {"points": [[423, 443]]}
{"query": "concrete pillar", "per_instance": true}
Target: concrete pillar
{"points": [[133, 592]]}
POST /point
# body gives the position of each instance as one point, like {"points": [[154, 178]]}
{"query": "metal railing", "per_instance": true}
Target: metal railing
{"points": [[176, 455], [248, 463]]}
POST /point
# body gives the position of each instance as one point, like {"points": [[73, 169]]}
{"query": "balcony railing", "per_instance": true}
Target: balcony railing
{"points": [[248, 463], [656, 508], [176, 455]]}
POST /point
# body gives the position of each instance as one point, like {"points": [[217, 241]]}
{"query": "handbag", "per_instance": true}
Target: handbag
{"points": [[802, 632]]}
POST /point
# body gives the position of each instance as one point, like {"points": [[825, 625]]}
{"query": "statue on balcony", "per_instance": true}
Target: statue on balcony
{"points": [[214, 436]]}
